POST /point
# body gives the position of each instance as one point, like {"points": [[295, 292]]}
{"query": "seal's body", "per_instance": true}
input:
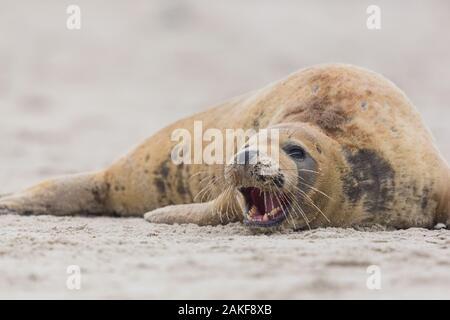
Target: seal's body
{"points": [[354, 150]]}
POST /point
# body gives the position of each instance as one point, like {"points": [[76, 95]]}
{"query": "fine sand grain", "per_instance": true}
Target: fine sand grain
{"points": [[128, 258]]}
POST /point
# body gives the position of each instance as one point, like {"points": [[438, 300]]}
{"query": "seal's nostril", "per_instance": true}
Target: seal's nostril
{"points": [[247, 156]]}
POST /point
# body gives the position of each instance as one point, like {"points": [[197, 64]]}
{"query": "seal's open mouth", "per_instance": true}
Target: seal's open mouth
{"points": [[263, 208]]}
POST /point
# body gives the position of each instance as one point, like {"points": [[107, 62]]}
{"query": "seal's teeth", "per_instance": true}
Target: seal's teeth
{"points": [[273, 212], [252, 211], [265, 217]]}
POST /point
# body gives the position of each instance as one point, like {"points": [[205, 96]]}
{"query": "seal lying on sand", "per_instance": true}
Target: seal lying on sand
{"points": [[353, 150]]}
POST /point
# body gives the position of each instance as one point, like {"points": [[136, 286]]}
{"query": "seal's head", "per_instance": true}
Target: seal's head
{"points": [[285, 180]]}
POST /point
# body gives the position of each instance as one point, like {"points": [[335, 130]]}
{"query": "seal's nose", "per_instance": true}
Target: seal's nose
{"points": [[247, 156]]}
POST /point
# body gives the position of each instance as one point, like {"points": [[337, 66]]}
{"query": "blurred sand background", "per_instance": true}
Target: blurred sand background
{"points": [[74, 101]]}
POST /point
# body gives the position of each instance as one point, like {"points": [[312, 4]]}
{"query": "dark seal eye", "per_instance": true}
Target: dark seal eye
{"points": [[295, 152]]}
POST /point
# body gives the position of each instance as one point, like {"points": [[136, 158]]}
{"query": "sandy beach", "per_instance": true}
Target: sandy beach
{"points": [[74, 101]]}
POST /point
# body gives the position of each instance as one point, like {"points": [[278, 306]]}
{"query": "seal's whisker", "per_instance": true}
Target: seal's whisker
{"points": [[275, 193], [208, 174], [291, 201], [282, 201], [265, 200], [206, 190], [300, 213], [296, 204], [236, 209], [230, 209], [282, 209], [313, 204], [219, 210], [207, 180], [315, 189], [226, 209], [202, 193], [197, 173], [229, 195], [303, 170]]}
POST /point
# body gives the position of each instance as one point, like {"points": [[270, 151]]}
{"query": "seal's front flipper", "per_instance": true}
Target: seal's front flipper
{"points": [[76, 194], [202, 214]]}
